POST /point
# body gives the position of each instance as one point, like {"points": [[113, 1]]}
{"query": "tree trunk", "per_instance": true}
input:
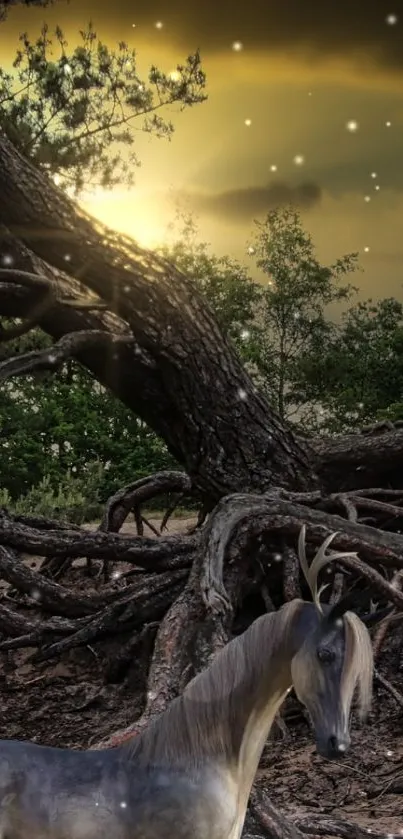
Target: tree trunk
{"points": [[181, 376], [173, 368], [359, 461]]}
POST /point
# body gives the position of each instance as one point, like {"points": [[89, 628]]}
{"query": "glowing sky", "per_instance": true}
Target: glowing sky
{"points": [[308, 107]]}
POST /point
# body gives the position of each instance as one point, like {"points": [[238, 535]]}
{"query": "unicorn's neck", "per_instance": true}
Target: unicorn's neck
{"points": [[270, 644], [238, 696], [270, 680], [225, 714]]}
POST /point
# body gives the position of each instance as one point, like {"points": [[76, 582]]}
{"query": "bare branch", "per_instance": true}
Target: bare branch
{"points": [[242, 515], [51, 359], [157, 555], [51, 596], [46, 295], [319, 825], [126, 499]]}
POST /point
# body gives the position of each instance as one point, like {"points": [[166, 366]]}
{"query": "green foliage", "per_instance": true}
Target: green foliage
{"points": [[224, 283], [393, 412], [72, 113], [291, 314], [5, 5], [356, 376], [59, 424], [75, 499]]}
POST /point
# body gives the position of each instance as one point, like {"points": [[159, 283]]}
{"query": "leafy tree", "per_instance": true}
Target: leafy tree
{"points": [[223, 281], [291, 314], [357, 375], [6, 4], [67, 423], [73, 113]]}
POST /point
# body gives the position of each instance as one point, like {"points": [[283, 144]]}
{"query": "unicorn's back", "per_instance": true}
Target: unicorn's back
{"points": [[48, 793]]}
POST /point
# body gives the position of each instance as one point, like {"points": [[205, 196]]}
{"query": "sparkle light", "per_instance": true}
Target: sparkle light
{"points": [[299, 159], [248, 122], [367, 198], [391, 20], [273, 168], [352, 125], [159, 24], [377, 186], [237, 46], [374, 175], [388, 123], [251, 250], [366, 249], [175, 75]]}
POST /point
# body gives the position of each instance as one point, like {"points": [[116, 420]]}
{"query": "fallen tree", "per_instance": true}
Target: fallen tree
{"points": [[144, 331]]}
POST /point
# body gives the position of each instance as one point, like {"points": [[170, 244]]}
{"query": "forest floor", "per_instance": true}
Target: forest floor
{"points": [[68, 703]]}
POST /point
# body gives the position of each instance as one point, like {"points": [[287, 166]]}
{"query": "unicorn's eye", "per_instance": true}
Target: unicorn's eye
{"points": [[326, 655]]}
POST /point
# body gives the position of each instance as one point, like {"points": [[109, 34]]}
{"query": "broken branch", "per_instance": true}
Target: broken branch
{"points": [[52, 358]]}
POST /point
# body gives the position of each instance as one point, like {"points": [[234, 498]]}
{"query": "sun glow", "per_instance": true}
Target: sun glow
{"points": [[135, 213]]}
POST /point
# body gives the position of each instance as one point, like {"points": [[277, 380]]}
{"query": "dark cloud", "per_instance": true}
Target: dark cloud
{"points": [[317, 29], [240, 205]]}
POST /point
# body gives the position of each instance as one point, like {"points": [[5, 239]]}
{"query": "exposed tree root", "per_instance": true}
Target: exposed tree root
{"points": [[174, 552], [130, 498], [396, 582], [329, 826], [134, 495], [185, 599], [275, 826], [232, 443], [273, 823], [245, 524], [129, 611]]}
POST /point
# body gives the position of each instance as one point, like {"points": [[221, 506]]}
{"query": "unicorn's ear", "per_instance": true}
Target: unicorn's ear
{"points": [[353, 599], [373, 618], [345, 604]]}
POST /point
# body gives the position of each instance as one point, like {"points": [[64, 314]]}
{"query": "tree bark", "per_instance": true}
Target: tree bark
{"points": [[358, 461], [182, 377]]}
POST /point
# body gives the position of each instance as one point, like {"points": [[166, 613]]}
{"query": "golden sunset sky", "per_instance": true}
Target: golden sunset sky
{"points": [[306, 73]]}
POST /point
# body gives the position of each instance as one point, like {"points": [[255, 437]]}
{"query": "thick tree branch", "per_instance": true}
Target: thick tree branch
{"points": [[239, 516], [134, 495], [359, 461], [319, 825], [134, 610], [196, 395], [45, 299], [169, 554], [53, 357]]}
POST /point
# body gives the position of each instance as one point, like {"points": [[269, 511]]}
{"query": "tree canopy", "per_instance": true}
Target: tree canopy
{"points": [[173, 349]]}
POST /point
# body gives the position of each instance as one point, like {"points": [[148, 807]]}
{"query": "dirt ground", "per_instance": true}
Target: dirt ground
{"points": [[67, 703]]}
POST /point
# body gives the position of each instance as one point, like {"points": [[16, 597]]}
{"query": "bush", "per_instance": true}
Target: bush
{"points": [[74, 499]]}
